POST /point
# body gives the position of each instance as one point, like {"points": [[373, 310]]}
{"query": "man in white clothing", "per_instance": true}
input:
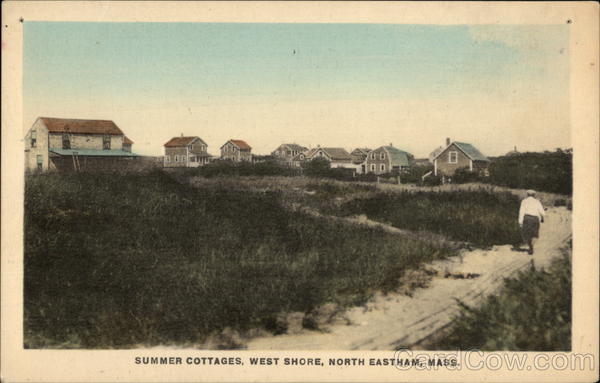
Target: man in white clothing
{"points": [[531, 214]]}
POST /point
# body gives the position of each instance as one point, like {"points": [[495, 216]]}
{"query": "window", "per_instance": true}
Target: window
{"points": [[40, 161], [192, 159], [372, 156], [66, 141], [453, 157], [382, 156], [372, 167], [183, 158], [33, 138], [382, 168], [106, 142], [167, 158], [176, 158]]}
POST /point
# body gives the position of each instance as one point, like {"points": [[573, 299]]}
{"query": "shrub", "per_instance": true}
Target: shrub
{"points": [[549, 171], [464, 175], [432, 181]]}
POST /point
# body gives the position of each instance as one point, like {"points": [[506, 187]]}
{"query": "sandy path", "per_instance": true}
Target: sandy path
{"points": [[394, 321]]}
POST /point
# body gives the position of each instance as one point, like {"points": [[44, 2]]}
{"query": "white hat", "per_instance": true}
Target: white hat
{"points": [[530, 192]]}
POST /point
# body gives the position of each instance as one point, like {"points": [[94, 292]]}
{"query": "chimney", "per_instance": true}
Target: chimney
{"points": [[391, 144], [448, 141]]}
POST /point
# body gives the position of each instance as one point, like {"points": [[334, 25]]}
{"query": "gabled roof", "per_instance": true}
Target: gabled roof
{"points": [[362, 150], [92, 152], [469, 150], [295, 147], [336, 154], [177, 142], [398, 157], [68, 125], [127, 141], [239, 143]]}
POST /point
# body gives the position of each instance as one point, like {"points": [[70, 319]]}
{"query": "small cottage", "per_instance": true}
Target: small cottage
{"points": [[337, 157], [387, 159], [288, 153], [457, 155], [236, 151]]}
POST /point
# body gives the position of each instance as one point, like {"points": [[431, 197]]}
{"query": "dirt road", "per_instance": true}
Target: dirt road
{"points": [[394, 321]]}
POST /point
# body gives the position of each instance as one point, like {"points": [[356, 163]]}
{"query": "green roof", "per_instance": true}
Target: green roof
{"points": [[398, 157], [93, 152], [471, 151]]}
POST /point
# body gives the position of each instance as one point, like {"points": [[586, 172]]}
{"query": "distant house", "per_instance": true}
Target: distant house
{"points": [[185, 152], [457, 155], [337, 157], [236, 151], [285, 153], [359, 155], [387, 159], [74, 144]]}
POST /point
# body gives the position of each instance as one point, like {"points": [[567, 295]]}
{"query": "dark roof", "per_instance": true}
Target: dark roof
{"points": [[127, 141], [295, 147], [92, 152], [470, 151], [362, 150], [176, 142], [398, 157], [67, 125]]}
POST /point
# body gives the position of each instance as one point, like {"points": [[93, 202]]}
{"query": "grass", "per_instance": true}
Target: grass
{"points": [[533, 312], [115, 261], [482, 218]]}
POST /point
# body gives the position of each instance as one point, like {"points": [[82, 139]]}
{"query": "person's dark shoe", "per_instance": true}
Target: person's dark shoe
{"points": [[530, 251]]}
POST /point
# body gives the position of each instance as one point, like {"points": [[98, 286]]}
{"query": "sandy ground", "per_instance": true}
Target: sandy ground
{"points": [[394, 321]]}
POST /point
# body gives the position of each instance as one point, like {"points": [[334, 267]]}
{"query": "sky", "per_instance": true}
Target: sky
{"points": [[343, 85]]}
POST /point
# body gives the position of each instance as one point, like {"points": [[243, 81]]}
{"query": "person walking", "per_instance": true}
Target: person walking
{"points": [[531, 214]]}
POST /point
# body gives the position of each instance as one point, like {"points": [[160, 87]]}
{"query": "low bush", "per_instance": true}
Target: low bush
{"points": [[532, 313]]}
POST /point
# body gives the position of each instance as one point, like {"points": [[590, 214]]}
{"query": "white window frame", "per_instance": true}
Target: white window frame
{"points": [[372, 156], [176, 157], [167, 158], [373, 168], [455, 153], [183, 158], [382, 168], [382, 156]]}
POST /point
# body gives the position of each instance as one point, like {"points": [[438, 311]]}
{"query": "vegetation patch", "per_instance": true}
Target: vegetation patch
{"points": [[140, 259], [532, 312], [482, 218]]}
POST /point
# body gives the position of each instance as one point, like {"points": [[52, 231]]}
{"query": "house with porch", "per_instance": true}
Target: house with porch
{"points": [[66, 144], [456, 155], [186, 152]]}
